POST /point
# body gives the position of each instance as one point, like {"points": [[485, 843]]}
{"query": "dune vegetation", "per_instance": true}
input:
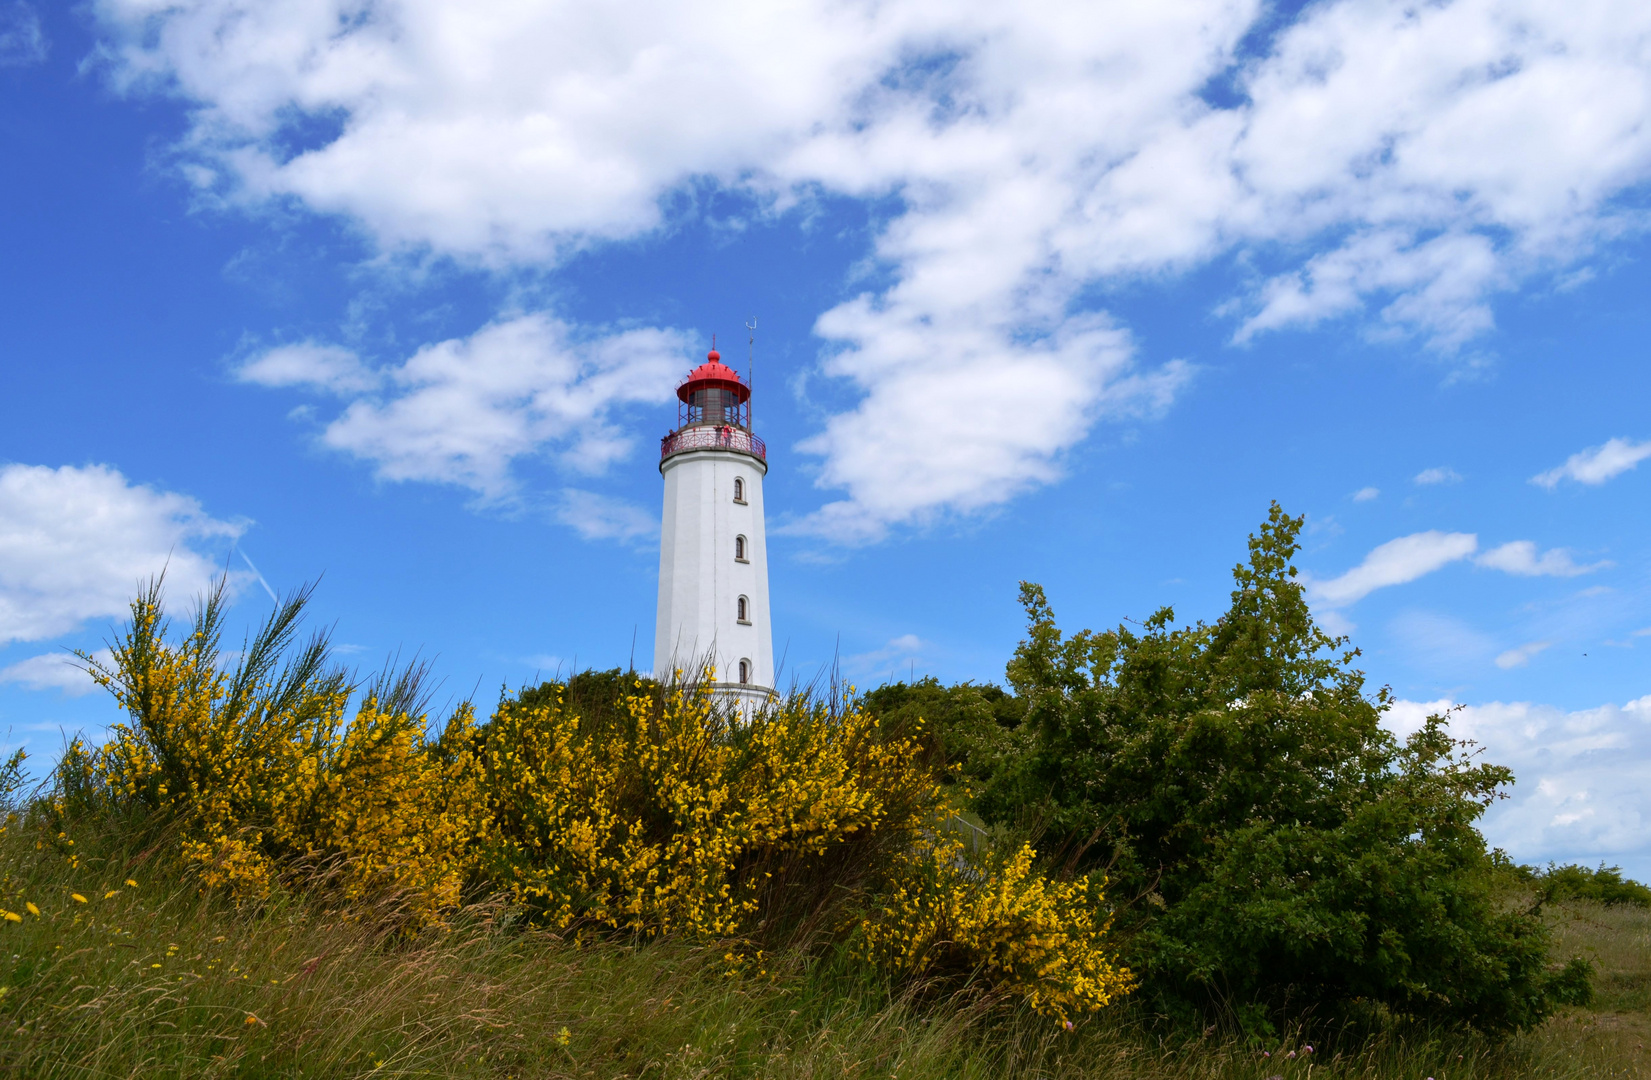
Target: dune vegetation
{"points": [[1160, 851]]}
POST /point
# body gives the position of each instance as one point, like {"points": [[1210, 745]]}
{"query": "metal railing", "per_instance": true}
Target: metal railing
{"points": [[739, 440]]}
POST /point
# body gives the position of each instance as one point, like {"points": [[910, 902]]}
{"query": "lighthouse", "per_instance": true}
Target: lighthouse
{"points": [[713, 553]]}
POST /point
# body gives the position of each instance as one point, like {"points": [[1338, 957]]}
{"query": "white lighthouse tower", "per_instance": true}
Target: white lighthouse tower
{"points": [[713, 552]]}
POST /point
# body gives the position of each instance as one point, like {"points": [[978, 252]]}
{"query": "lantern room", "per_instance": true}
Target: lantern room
{"points": [[714, 394], [714, 414]]}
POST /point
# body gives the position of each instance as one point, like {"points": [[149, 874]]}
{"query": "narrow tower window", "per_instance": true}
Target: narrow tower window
{"points": [[744, 611], [739, 490], [745, 671], [739, 549]]}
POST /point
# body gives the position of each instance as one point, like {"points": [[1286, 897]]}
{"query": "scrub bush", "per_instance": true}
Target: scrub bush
{"points": [[1603, 885], [670, 817], [1269, 844], [944, 914], [257, 772], [610, 805]]}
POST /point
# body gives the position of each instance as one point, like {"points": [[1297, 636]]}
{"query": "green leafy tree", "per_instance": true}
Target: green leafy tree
{"points": [[1269, 843]]}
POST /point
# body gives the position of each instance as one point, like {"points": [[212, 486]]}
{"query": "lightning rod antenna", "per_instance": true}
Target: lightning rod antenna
{"points": [[751, 374]]}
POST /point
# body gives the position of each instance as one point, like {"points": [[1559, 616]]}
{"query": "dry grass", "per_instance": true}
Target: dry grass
{"points": [[154, 981]]}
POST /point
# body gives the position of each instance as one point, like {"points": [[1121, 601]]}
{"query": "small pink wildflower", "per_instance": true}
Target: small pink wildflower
{"points": [[1291, 1054]]}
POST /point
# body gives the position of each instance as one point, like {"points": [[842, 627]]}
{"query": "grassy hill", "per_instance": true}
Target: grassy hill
{"points": [[153, 980]]}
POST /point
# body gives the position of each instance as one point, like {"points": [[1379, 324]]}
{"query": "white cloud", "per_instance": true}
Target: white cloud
{"points": [[974, 406], [602, 517], [462, 411], [22, 41], [896, 660], [1365, 494], [1519, 557], [1439, 475], [76, 543], [1415, 160], [54, 671], [1597, 464], [1394, 563], [329, 368], [1520, 656], [1583, 791]]}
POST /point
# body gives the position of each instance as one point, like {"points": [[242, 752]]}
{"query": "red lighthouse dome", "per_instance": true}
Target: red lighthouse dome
{"points": [[714, 375]]}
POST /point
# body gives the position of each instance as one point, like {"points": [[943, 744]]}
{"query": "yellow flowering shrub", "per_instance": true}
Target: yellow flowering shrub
{"points": [[262, 775], [672, 818], [654, 814], [1045, 940]]}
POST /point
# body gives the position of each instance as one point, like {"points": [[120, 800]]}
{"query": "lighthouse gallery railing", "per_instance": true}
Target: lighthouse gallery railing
{"points": [[736, 439]]}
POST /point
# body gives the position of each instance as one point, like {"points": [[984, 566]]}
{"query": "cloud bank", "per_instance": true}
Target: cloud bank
{"points": [[1373, 160], [1583, 791], [77, 542]]}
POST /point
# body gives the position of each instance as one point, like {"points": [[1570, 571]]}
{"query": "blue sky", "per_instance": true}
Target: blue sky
{"points": [[394, 295]]}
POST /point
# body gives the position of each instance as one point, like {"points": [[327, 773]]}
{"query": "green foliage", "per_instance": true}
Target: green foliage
{"points": [[965, 724], [1268, 843], [1603, 885]]}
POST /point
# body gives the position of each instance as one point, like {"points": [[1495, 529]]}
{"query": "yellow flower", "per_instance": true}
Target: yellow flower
{"points": [[131, 883], [12, 916], [564, 1036], [253, 1019], [111, 892], [32, 909], [77, 898]]}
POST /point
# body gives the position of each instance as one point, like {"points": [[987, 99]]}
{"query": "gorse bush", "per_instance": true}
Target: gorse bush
{"points": [[669, 817], [1269, 844], [610, 805], [258, 772], [1042, 939]]}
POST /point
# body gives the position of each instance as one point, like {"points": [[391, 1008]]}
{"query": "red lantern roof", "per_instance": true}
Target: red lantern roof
{"points": [[713, 374]]}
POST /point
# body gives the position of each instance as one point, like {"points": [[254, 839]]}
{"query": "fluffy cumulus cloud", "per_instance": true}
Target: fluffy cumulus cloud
{"points": [[1583, 790], [462, 411], [53, 671], [77, 542], [1597, 464], [1372, 159]]}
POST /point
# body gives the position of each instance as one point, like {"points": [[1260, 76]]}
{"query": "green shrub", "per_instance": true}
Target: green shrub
{"points": [[1603, 885], [1269, 844]]}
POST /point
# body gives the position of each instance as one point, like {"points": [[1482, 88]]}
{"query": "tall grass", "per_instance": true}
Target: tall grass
{"points": [[158, 981]]}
